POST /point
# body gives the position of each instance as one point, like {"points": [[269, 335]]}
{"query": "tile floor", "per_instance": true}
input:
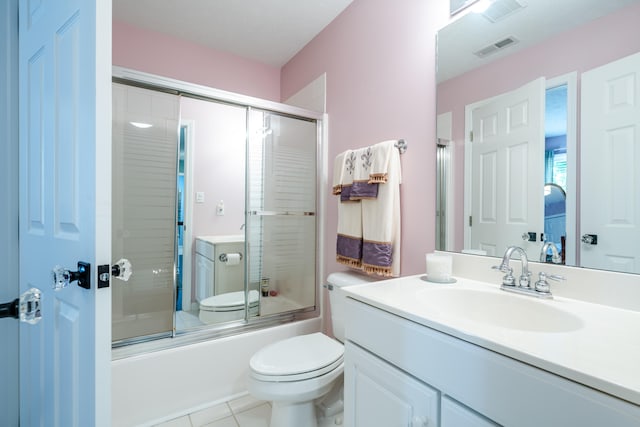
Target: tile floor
{"points": [[242, 412]]}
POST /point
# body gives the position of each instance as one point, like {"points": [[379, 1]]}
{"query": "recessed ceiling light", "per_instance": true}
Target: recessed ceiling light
{"points": [[481, 6]]}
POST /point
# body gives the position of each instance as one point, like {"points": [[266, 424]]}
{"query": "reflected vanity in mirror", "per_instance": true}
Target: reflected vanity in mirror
{"points": [[538, 106]]}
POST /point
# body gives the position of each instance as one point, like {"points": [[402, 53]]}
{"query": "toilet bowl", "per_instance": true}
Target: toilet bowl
{"points": [[227, 307], [296, 373]]}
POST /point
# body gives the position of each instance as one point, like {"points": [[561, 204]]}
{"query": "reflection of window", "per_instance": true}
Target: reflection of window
{"points": [[556, 167], [560, 170]]}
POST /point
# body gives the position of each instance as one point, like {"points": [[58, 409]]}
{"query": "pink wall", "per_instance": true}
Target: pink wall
{"points": [[380, 63], [218, 165], [167, 56], [581, 49]]}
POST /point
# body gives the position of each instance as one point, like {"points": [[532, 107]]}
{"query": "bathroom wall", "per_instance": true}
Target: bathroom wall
{"points": [[218, 156], [380, 81], [616, 36], [167, 56]]}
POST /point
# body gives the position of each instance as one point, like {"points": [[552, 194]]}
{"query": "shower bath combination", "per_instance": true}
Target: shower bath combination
{"points": [[175, 158]]}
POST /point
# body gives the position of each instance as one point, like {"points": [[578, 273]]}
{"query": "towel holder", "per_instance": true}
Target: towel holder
{"points": [[401, 145]]}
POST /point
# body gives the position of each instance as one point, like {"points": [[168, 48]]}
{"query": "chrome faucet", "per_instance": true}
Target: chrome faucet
{"points": [[555, 256], [525, 274], [541, 287]]}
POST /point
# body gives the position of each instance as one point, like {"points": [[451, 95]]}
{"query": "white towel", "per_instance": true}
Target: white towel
{"points": [[349, 239], [381, 220], [361, 188], [338, 170], [382, 157]]}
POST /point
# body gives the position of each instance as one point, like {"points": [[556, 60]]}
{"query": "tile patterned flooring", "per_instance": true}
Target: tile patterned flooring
{"points": [[241, 412]]}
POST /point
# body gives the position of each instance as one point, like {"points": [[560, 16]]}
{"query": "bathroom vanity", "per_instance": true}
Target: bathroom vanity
{"points": [[468, 354], [208, 251]]}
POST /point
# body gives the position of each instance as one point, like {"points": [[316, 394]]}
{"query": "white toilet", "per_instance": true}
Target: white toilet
{"points": [[296, 372], [227, 307]]}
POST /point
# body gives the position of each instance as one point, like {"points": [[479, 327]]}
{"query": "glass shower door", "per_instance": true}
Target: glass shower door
{"points": [[281, 221], [145, 138]]}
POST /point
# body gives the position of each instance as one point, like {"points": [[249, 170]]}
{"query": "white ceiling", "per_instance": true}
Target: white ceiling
{"points": [[539, 20], [268, 31]]}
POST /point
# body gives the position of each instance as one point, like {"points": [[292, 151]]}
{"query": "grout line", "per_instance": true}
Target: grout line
{"points": [[233, 414]]}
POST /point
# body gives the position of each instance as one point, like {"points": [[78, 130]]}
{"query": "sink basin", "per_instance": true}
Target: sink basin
{"points": [[497, 308]]}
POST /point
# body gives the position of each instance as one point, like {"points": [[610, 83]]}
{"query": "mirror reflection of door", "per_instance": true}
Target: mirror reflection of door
{"points": [[506, 171], [610, 171]]}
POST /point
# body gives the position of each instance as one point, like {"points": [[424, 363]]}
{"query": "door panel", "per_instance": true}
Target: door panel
{"points": [[65, 206], [145, 159], [507, 168], [610, 175]]}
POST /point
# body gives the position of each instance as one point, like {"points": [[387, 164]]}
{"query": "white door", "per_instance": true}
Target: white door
{"points": [[507, 183], [610, 166], [65, 175]]}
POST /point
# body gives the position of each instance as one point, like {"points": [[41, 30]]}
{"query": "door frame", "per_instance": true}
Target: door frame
{"points": [[187, 244], [571, 80]]}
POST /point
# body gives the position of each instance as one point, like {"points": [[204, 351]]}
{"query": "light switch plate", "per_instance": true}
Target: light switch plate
{"points": [[199, 196]]}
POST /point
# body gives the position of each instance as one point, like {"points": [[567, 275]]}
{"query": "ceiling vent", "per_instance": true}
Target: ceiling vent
{"points": [[501, 9], [496, 46]]}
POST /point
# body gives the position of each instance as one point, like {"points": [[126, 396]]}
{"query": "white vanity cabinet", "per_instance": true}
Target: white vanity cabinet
{"points": [[470, 385], [205, 269]]}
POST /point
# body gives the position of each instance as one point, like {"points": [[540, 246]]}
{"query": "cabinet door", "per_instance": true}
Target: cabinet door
{"points": [[456, 415], [204, 277], [378, 394]]}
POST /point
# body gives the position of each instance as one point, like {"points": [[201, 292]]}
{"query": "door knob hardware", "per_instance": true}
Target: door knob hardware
{"points": [[590, 239], [120, 270], [529, 236], [62, 277], [26, 308]]}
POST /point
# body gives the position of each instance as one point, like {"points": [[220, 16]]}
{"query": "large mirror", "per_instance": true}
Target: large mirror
{"points": [[538, 107]]}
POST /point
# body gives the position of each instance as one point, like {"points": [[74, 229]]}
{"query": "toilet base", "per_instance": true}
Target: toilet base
{"points": [[293, 414]]}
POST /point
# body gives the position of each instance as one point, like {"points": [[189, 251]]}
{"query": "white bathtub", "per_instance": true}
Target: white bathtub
{"points": [[158, 386]]}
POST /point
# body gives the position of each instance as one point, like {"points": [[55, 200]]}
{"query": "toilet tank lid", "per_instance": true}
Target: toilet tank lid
{"points": [[350, 278], [303, 353]]}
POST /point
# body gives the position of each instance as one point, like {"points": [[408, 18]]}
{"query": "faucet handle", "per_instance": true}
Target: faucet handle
{"points": [[507, 279], [542, 285]]}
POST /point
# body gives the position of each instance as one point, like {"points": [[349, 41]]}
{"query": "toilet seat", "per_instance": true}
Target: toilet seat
{"points": [[298, 358], [230, 301]]}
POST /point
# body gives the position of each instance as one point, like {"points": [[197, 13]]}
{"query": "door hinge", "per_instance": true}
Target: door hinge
{"points": [[470, 221], [471, 136]]}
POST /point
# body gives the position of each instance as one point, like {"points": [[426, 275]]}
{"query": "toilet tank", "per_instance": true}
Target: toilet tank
{"points": [[337, 297]]}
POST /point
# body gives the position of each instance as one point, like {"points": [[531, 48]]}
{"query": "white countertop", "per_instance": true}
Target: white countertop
{"points": [[603, 354], [231, 238]]}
